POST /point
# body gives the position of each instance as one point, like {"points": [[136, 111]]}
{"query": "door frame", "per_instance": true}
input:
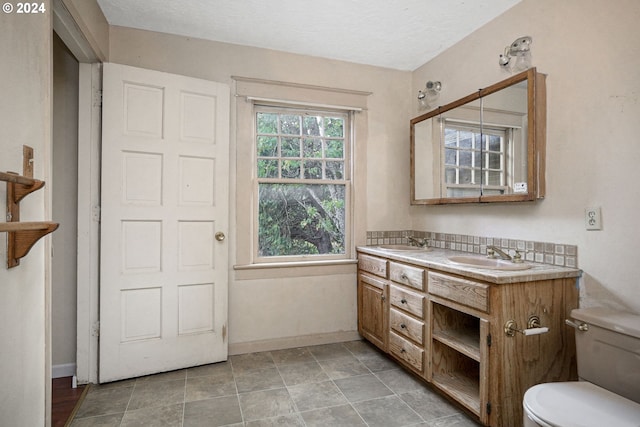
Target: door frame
{"points": [[89, 126], [89, 164]]}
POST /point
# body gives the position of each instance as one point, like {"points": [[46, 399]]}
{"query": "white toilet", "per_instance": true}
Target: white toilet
{"points": [[608, 393]]}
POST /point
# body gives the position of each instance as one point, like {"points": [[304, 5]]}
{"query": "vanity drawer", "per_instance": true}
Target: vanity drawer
{"points": [[406, 326], [407, 300], [407, 275], [374, 265], [467, 292], [406, 351]]}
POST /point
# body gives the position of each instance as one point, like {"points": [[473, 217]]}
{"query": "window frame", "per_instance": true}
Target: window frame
{"points": [[346, 181], [506, 136]]}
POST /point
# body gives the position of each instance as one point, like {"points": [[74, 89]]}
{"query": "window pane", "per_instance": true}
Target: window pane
{"points": [[466, 139], [465, 176], [334, 149], [465, 158], [335, 170], [311, 125], [495, 178], [478, 159], [290, 124], [290, 169], [267, 168], [334, 127], [494, 143], [450, 138], [313, 169], [267, 146], [296, 219], [290, 147], [267, 123], [495, 161], [450, 176], [450, 156], [312, 148]]}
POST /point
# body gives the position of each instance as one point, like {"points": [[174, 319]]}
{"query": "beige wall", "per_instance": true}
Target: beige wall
{"points": [[25, 115], [589, 50], [282, 307], [64, 188]]}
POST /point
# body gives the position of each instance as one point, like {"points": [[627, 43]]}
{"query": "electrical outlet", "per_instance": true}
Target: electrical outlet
{"points": [[520, 187], [593, 218]]}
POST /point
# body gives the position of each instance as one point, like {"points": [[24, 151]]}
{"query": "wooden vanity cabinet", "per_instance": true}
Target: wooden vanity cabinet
{"points": [[450, 330]]}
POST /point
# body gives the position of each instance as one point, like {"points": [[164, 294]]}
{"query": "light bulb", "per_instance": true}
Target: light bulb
{"points": [[523, 62]]}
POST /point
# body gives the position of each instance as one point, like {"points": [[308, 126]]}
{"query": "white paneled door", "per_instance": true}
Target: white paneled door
{"points": [[165, 179]]}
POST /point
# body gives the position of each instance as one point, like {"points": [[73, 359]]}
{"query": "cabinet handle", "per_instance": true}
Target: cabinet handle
{"points": [[402, 350], [403, 301], [579, 326], [382, 297], [404, 276], [403, 326]]}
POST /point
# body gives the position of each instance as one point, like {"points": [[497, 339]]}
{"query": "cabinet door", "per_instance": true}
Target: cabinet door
{"points": [[373, 310]]}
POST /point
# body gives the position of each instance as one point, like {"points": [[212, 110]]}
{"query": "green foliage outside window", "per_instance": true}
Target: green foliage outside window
{"points": [[301, 183]]}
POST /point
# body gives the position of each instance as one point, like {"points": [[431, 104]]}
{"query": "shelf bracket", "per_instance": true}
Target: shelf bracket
{"points": [[21, 241], [17, 188]]}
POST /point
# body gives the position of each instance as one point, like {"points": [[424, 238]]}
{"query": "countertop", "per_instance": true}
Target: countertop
{"points": [[437, 259]]}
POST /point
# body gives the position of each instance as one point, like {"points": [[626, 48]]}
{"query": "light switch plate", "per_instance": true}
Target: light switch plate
{"points": [[593, 218]]}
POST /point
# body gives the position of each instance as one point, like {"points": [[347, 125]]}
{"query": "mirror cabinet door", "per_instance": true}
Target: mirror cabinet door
{"points": [[505, 153], [461, 143], [426, 175]]}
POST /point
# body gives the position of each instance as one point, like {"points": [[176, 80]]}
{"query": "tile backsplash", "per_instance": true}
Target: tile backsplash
{"points": [[541, 252]]}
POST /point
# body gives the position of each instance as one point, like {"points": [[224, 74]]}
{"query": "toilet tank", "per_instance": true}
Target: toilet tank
{"points": [[609, 351]]}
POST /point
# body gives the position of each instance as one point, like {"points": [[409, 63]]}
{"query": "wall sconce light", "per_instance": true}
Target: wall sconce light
{"points": [[517, 56], [429, 94]]}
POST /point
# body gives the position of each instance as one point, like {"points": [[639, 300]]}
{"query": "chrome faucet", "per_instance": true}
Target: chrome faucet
{"points": [[421, 243], [493, 250]]}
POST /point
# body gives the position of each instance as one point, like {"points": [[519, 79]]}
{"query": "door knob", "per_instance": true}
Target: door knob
{"points": [[220, 236]]}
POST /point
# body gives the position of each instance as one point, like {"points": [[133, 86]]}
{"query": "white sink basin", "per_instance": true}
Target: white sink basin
{"points": [[488, 263], [402, 248]]}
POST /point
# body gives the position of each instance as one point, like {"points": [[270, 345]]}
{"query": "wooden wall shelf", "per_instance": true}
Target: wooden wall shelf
{"points": [[22, 235]]}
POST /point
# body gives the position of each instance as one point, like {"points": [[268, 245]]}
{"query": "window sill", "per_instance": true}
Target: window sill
{"points": [[295, 269], [295, 264]]}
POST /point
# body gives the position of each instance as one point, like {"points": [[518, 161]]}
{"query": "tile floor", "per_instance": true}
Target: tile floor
{"points": [[343, 384]]}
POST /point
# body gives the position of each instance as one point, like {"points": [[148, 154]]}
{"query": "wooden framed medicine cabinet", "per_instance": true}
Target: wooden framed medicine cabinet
{"points": [[486, 147]]}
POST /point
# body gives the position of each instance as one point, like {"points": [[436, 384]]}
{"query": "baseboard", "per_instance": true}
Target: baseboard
{"points": [[292, 342], [64, 370]]}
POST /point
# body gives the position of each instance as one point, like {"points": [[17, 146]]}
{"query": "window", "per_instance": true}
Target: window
{"points": [[303, 183], [474, 158]]}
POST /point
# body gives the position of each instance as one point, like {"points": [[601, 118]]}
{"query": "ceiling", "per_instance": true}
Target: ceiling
{"points": [[398, 34]]}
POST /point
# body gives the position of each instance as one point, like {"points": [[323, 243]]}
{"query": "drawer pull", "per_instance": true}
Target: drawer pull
{"points": [[404, 276], [403, 326], [403, 301], [402, 350]]}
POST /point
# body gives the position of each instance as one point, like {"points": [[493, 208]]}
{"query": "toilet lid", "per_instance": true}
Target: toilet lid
{"points": [[580, 404]]}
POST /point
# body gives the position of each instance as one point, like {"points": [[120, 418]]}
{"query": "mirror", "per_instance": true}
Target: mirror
{"points": [[486, 147]]}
